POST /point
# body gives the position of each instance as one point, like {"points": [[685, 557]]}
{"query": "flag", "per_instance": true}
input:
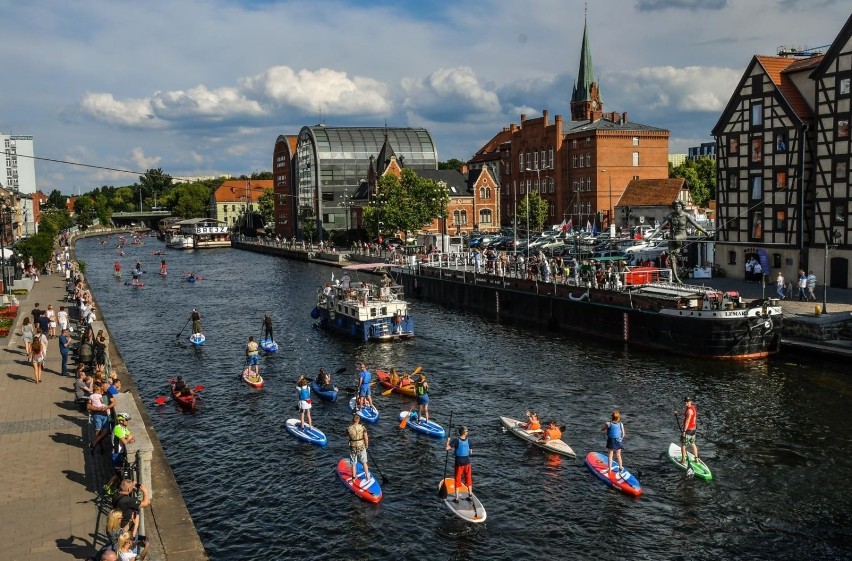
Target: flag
{"points": [[564, 226], [570, 226], [595, 229], [588, 226]]}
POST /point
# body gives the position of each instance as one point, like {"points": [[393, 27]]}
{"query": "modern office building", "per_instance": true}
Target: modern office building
{"points": [[784, 151], [704, 150], [17, 166]]}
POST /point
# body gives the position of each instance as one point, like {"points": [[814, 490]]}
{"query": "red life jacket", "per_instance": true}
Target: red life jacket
{"points": [[690, 424]]}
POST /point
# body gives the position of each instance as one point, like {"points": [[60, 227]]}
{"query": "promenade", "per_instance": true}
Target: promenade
{"points": [[49, 504]]}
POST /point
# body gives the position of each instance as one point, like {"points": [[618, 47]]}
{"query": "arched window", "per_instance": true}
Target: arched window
{"points": [[464, 218], [485, 216], [488, 192], [482, 192], [550, 185]]}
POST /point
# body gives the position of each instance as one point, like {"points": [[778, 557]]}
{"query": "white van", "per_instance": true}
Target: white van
{"points": [[445, 243]]}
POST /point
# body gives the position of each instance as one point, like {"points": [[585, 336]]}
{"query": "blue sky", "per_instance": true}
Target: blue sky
{"points": [[203, 87]]}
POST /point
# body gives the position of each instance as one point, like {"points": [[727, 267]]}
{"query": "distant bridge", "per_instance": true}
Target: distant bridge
{"points": [[150, 218]]}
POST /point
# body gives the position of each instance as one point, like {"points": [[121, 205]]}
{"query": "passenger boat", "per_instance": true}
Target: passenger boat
{"points": [[640, 307], [180, 242], [364, 311]]}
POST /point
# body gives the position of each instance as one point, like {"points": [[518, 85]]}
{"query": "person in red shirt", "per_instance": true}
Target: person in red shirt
{"points": [[687, 437]]}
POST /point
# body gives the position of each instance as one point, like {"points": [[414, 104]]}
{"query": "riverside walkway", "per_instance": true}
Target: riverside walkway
{"points": [[49, 505]]}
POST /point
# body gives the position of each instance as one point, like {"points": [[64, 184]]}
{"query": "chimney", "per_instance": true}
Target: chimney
{"points": [[464, 169], [624, 117], [523, 118], [544, 114]]}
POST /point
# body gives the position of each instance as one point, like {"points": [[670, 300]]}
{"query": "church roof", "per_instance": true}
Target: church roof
{"points": [[586, 73]]}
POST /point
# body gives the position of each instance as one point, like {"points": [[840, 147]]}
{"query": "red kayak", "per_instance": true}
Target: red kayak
{"points": [[185, 401], [404, 389]]}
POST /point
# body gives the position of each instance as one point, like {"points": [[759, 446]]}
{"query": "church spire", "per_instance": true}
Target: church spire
{"points": [[585, 100]]}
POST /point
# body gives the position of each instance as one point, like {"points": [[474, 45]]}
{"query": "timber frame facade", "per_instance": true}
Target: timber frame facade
{"points": [[783, 155]]}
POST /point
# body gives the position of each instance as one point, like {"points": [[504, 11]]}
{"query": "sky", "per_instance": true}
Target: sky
{"points": [[204, 87]]}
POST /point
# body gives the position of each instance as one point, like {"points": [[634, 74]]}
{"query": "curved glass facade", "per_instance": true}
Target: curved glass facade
{"points": [[331, 162]]}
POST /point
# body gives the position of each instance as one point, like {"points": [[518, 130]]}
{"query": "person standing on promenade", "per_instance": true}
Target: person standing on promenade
{"points": [[51, 321], [779, 285], [687, 437], [615, 434], [100, 414], [359, 440], [803, 285], [811, 284], [28, 335], [364, 378], [62, 318], [36, 313], [267, 327], [37, 357], [252, 357], [461, 466], [64, 349]]}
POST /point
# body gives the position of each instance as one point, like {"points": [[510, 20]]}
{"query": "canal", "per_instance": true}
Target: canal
{"points": [[775, 433]]}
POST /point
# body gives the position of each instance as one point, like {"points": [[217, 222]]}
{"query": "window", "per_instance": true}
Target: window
{"points": [[529, 160], [485, 216], [780, 180], [635, 141], [757, 225], [635, 159], [574, 185], [523, 185], [588, 160], [535, 186], [550, 159], [757, 187], [732, 258], [327, 196], [588, 141], [757, 150], [459, 217], [488, 192], [543, 158], [550, 185], [780, 225], [574, 161], [482, 192], [574, 144], [521, 161], [535, 160], [529, 186], [757, 114], [588, 184]]}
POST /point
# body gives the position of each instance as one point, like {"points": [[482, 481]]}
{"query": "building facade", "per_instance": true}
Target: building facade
{"points": [[17, 166], [579, 166], [703, 150], [283, 168], [783, 154], [474, 203], [235, 197]]}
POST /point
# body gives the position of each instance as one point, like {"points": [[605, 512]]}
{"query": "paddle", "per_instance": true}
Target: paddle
{"points": [[182, 328], [639, 473], [161, 400], [375, 465], [442, 488], [404, 421], [689, 471]]}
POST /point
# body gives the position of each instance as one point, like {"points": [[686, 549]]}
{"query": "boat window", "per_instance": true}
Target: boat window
{"points": [[384, 311]]}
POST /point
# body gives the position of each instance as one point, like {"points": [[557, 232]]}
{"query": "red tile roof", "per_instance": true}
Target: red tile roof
{"points": [[652, 192], [235, 189], [775, 68]]}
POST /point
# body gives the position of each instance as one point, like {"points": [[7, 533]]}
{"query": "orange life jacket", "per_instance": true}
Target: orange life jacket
{"points": [[553, 434]]}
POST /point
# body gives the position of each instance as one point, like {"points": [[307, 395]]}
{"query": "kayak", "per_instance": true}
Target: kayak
{"points": [[368, 490], [197, 339], [699, 468], [622, 479], [554, 446], [325, 395], [308, 434], [191, 279], [384, 380], [368, 413], [185, 401], [268, 345], [469, 508], [255, 381], [421, 425]]}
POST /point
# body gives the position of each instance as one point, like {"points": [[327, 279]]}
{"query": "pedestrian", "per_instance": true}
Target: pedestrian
{"points": [[359, 440], [129, 504], [803, 285], [64, 349], [27, 335], [421, 390], [364, 394], [687, 437], [304, 393], [615, 434], [811, 284], [779, 285], [461, 467], [36, 313], [267, 327], [99, 414], [252, 356], [51, 321], [62, 318], [37, 357]]}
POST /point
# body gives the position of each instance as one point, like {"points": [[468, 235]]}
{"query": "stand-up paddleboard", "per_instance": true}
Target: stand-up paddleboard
{"points": [[555, 446], [621, 479], [368, 413], [308, 434], [469, 508], [366, 489], [268, 345], [197, 339], [699, 468], [422, 425], [117, 274], [164, 273], [249, 377]]}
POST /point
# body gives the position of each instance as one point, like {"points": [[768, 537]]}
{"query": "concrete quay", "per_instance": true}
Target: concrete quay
{"points": [[49, 502]]}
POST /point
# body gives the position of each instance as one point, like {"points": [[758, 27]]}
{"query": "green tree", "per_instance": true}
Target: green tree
{"points": [[84, 211], [308, 223], [452, 163], [56, 200], [39, 247], [266, 206], [54, 220], [405, 204], [537, 211], [188, 200], [700, 178]]}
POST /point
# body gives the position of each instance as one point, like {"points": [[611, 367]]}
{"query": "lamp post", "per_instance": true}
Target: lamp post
{"points": [[836, 236], [610, 212]]}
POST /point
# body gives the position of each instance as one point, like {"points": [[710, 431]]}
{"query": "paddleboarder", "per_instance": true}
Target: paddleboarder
{"points": [[421, 390], [364, 395], [252, 357], [359, 440], [304, 392], [614, 436], [461, 468], [195, 316], [687, 436], [163, 269], [267, 327]]}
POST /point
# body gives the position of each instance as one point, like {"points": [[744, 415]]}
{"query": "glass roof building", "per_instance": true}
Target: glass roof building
{"points": [[333, 162]]}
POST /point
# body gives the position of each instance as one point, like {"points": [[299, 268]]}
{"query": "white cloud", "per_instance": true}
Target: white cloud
{"points": [[692, 88], [131, 112], [449, 94], [202, 103], [142, 161]]}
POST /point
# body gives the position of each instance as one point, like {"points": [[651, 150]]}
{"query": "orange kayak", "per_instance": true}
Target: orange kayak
{"points": [[384, 380]]}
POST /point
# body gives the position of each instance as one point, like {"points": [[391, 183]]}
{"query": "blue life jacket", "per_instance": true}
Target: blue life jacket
{"points": [[304, 393], [615, 431], [462, 448]]}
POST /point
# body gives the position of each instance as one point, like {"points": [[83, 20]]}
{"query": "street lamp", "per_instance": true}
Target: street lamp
{"points": [[610, 211], [836, 236]]}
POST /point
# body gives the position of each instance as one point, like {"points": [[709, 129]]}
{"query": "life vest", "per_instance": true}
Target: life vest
{"points": [[615, 430], [691, 423], [420, 388], [553, 434], [533, 425], [462, 448], [304, 393]]}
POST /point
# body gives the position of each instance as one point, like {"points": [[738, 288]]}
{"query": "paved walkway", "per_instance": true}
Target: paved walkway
{"points": [[49, 507]]}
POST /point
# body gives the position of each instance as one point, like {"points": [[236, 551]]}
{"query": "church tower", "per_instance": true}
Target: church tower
{"points": [[586, 104]]}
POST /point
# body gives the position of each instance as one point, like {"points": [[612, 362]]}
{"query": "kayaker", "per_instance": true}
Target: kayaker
{"points": [[551, 433], [252, 358], [359, 440], [324, 381], [304, 392], [533, 423], [687, 437], [267, 327], [614, 436], [117, 267], [163, 269], [394, 378], [195, 316], [421, 390], [364, 377], [461, 468]]}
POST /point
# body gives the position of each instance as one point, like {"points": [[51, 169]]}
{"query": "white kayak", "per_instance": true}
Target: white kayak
{"points": [[554, 446], [468, 507]]}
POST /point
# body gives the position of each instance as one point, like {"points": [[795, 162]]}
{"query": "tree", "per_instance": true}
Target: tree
{"points": [[266, 206], [452, 163], [537, 214], [405, 204], [308, 222], [54, 220], [84, 211], [188, 200], [56, 200], [700, 178]]}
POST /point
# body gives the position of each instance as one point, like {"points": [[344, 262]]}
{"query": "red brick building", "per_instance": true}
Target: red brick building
{"points": [[283, 162]]}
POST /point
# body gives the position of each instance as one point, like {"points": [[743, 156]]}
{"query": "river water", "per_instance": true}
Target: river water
{"points": [[774, 433]]}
